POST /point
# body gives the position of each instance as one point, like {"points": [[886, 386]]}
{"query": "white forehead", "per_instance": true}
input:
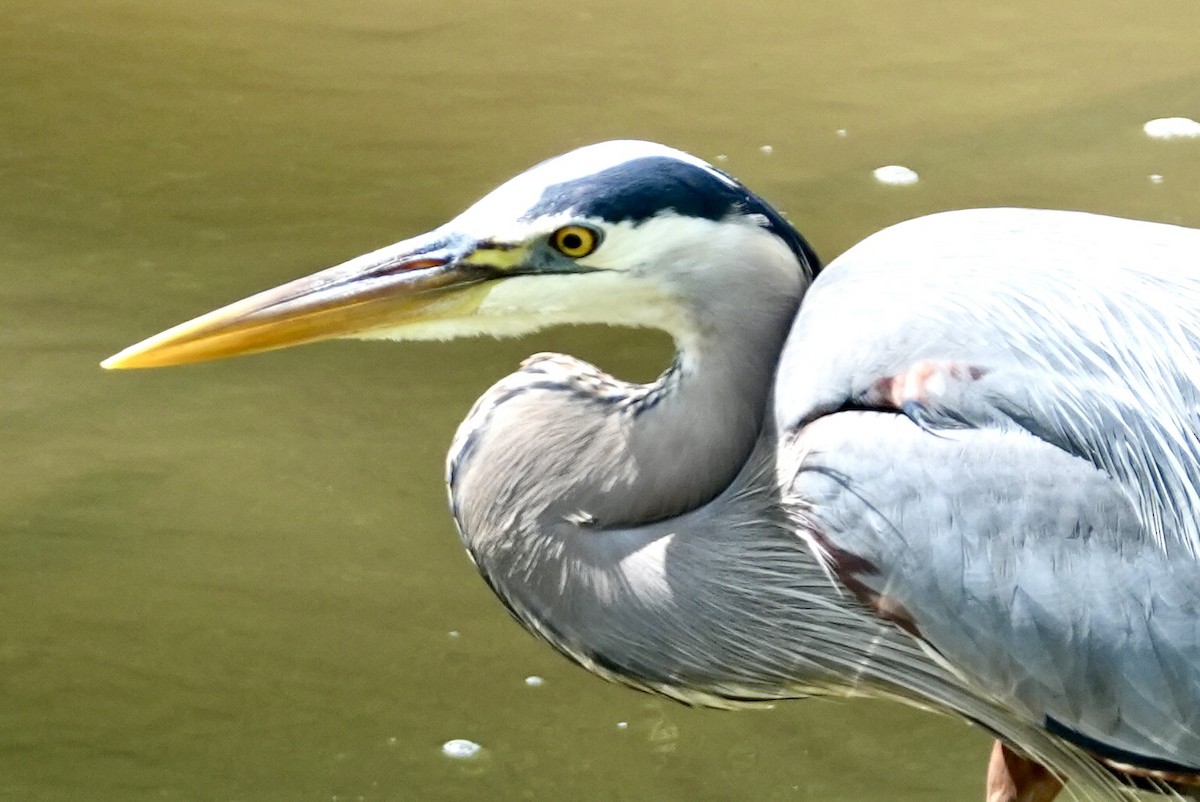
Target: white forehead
{"points": [[500, 211]]}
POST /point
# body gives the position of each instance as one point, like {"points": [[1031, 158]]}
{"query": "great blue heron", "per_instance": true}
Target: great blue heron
{"points": [[964, 473]]}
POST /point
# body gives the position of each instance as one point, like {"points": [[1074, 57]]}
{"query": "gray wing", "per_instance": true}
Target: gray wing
{"points": [[1012, 560], [1086, 330], [1031, 512]]}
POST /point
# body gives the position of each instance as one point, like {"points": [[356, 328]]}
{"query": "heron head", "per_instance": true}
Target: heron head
{"points": [[624, 233]]}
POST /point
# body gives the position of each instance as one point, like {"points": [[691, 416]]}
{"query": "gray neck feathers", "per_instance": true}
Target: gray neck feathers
{"points": [[559, 440], [638, 528]]}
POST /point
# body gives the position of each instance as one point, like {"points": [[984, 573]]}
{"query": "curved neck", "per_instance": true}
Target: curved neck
{"points": [[638, 528], [576, 443], [673, 445]]}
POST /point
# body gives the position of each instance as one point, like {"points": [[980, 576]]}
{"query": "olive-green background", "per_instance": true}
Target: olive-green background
{"points": [[238, 581]]}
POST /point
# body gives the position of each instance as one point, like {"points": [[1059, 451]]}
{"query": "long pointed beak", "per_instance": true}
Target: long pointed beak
{"points": [[415, 280]]}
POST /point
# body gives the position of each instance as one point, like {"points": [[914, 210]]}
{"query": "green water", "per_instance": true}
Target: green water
{"points": [[238, 581]]}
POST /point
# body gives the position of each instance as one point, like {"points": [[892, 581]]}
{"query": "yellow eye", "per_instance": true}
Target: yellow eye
{"points": [[575, 241]]}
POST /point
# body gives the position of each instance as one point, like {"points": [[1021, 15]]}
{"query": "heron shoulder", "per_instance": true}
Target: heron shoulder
{"points": [[986, 286]]}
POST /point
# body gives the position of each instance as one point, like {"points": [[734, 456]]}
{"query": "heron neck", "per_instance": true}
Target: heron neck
{"points": [[687, 435], [619, 521]]}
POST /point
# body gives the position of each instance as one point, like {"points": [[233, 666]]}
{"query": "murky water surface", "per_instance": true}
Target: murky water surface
{"points": [[238, 581]]}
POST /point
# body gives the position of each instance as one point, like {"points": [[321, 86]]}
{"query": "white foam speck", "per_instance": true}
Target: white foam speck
{"points": [[841, 132], [767, 149], [721, 157], [622, 725], [460, 748], [393, 740], [1171, 128], [453, 633], [534, 681], [1155, 178], [896, 175]]}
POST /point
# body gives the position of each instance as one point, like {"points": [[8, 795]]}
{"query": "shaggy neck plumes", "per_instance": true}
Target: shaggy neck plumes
{"points": [[588, 503]]}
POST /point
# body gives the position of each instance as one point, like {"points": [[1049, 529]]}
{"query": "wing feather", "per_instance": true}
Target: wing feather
{"points": [[1040, 517]]}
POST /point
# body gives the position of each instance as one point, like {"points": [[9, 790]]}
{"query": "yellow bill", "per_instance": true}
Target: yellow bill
{"points": [[416, 280]]}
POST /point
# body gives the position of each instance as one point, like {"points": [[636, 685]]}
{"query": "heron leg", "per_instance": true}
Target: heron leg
{"points": [[1012, 777]]}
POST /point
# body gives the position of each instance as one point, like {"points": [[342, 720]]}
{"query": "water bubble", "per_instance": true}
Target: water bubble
{"points": [[841, 132], [1155, 178], [534, 681], [622, 725], [460, 748], [453, 633], [721, 157], [896, 175], [1171, 128], [393, 740], [767, 149]]}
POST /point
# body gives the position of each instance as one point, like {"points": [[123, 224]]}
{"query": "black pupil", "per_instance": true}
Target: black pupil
{"points": [[571, 241]]}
